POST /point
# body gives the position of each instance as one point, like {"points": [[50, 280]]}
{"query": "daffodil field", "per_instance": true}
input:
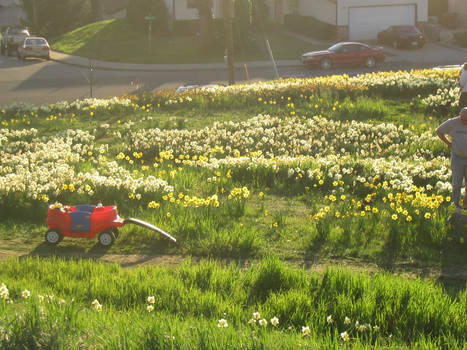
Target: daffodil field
{"points": [[294, 170]]}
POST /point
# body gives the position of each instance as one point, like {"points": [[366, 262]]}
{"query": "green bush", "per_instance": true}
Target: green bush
{"points": [[56, 17], [310, 26], [185, 27], [461, 38], [138, 9], [437, 7]]}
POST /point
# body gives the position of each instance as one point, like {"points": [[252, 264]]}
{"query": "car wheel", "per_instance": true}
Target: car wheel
{"points": [[370, 62], [326, 63], [53, 237], [106, 238]]}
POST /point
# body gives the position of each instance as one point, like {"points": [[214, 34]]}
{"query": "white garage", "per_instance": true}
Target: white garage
{"points": [[363, 19], [366, 21]]}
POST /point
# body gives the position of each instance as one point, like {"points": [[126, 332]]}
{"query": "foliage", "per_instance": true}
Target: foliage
{"points": [[437, 7], [55, 18], [204, 8], [242, 26], [77, 304], [137, 10], [309, 26], [115, 40], [461, 38]]}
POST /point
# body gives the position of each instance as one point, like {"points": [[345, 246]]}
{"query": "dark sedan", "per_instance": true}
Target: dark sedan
{"points": [[345, 53], [402, 36]]}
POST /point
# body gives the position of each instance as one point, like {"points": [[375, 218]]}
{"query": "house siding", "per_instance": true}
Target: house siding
{"points": [[182, 12], [323, 10]]}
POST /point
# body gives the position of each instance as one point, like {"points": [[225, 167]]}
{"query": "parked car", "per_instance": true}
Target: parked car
{"points": [[34, 47], [402, 36], [12, 37], [345, 53]]}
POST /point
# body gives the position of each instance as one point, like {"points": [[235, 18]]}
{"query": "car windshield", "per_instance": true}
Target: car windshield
{"points": [[407, 30], [335, 47], [36, 42]]}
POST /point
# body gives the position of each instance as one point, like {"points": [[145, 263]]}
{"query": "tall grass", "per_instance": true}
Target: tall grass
{"points": [[380, 310]]}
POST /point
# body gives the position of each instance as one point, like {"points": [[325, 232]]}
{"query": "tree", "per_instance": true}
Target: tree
{"points": [[204, 8], [52, 17], [138, 9], [242, 24], [96, 10]]}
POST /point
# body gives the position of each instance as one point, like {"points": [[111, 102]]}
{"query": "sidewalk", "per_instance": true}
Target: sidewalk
{"points": [[105, 65]]}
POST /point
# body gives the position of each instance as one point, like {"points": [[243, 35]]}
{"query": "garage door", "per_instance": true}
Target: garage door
{"points": [[366, 22]]}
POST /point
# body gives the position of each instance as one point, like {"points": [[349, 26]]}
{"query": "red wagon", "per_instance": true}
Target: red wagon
{"points": [[87, 221]]}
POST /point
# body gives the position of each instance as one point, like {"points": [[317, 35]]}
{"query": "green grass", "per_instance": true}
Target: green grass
{"points": [[245, 231], [244, 251], [190, 299], [113, 40]]}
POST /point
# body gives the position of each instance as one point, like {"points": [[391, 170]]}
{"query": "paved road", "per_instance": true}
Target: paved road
{"points": [[41, 82]]}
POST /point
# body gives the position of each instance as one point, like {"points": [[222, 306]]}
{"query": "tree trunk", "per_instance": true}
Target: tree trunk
{"points": [[96, 10], [204, 8]]}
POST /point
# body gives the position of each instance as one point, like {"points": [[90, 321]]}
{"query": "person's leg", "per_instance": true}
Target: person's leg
{"points": [[463, 100], [457, 169]]}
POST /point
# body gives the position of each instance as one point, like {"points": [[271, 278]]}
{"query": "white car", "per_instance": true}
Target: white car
{"points": [[34, 46]]}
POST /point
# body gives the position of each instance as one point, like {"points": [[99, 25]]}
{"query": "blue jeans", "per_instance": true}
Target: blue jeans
{"points": [[459, 172]]}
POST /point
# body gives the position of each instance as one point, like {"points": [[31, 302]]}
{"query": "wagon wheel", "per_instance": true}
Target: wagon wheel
{"points": [[53, 237], [106, 238]]}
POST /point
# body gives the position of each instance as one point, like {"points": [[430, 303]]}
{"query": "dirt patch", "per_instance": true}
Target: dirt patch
{"points": [[449, 271]]}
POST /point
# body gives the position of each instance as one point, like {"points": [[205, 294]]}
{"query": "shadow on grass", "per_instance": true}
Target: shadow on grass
{"points": [[453, 275], [74, 252], [45, 249]]}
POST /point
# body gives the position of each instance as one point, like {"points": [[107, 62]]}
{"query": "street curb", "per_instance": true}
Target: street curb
{"points": [[174, 68], [452, 46]]}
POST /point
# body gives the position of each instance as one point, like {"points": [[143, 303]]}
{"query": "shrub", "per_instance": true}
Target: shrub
{"points": [[138, 9], [461, 38], [310, 26], [56, 17]]}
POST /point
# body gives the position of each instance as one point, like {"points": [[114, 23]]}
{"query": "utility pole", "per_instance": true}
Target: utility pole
{"points": [[91, 76], [229, 41]]}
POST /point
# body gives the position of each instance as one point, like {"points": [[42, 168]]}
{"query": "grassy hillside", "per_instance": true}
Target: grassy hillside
{"points": [[113, 40], [259, 177]]}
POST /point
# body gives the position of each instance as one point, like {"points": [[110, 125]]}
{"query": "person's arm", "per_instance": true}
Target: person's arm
{"points": [[443, 138]]}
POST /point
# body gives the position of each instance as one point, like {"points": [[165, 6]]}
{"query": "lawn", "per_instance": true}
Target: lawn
{"points": [[112, 40], [259, 183]]}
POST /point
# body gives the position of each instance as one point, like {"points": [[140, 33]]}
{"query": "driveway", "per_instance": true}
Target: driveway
{"points": [[432, 53]]}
